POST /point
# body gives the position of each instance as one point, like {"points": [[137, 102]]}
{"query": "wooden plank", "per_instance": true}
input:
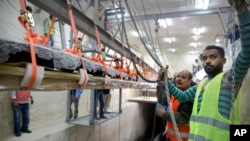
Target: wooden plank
{"points": [[11, 77], [143, 99]]}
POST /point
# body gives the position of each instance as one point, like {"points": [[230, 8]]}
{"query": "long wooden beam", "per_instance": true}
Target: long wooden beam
{"points": [[11, 77]]}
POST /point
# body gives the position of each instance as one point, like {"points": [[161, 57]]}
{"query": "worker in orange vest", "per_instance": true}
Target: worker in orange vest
{"points": [[182, 111], [20, 106]]}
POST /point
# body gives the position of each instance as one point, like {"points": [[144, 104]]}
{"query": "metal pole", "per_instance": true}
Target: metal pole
{"points": [[92, 107], [62, 34], [68, 105], [120, 101]]}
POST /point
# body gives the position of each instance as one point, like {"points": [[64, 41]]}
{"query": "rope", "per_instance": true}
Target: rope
{"points": [[233, 66], [232, 28], [170, 106], [76, 50], [100, 50]]}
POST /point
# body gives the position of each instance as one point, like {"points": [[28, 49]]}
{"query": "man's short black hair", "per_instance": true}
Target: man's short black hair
{"points": [[220, 49], [50, 16], [79, 39], [29, 9]]}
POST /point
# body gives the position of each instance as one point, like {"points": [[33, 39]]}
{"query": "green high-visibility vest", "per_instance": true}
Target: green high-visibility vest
{"points": [[46, 28], [209, 124]]}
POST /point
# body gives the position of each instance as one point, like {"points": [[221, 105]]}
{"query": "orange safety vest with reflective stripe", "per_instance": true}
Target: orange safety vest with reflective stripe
{"points": [[182, 129], [22, 96]]}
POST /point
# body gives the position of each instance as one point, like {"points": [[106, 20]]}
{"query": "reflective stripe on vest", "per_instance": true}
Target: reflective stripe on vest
{"points": [[22, 96], [173, 132], [210, 121], [183, 129], [197, 138]]}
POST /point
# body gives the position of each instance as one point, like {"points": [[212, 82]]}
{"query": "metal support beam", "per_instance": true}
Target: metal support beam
{"points": [[222, 21], [92, 107], [174, 14], [59, 9], [62, 34], [68, 118], [120, 101]]}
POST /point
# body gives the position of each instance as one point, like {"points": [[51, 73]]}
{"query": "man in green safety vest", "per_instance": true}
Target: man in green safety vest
{"points": [[214, 110], [47, 24]]}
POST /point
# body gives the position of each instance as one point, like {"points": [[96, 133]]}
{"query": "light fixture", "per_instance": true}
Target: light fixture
{"points": [[134, 33], [205, 4], [217, 40], [170, 40], [172, 50], [201, 4], [196, 37], [162, 23], [198, 30], [194, 44], [119, 16], [165, 22]]}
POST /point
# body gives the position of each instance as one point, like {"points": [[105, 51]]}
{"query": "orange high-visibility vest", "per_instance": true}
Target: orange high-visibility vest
{"points": [[182, 129], [22, 96]]}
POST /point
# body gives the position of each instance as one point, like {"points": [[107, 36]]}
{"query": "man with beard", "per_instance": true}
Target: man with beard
{"points": [[182, 111], [210, 118]]}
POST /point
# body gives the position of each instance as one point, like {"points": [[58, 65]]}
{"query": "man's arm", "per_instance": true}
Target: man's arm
{"points": [[182, 96], [242, 62], [13, 98], [31, 100]]}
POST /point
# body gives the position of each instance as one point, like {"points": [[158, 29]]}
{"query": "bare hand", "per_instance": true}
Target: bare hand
{"points": [[159, 111], [161, 74], [15, 104], [31, 100]]}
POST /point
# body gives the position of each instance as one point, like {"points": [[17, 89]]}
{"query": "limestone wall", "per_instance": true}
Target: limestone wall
{"points": [[48, 116]]}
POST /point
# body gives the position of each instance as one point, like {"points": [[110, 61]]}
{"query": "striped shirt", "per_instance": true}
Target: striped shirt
{"points": [[242, 65]]}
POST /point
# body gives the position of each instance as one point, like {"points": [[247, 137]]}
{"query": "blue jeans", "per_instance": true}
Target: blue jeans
{"points": [[51, 41], [21, 110], [99, 96], [74, 100]]}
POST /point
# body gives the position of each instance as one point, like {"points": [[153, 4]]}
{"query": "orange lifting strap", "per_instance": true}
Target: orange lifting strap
{"points": [[30, 39], [98, 56], [25, 19], [131, 73], [118, 68], [113, 54], [50, 30], [76, 49]]}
